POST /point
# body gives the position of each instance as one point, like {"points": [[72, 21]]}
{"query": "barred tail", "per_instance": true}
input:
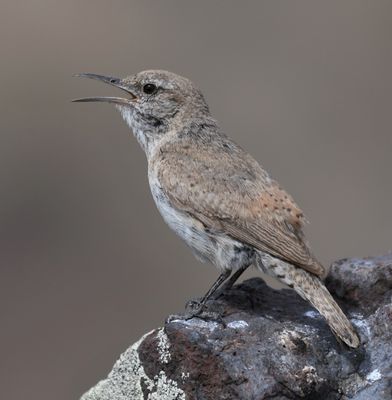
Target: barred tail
{"points": [[312, 289]]}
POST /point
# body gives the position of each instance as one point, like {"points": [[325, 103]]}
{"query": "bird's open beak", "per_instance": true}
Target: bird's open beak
{"points": [[111, 81]]}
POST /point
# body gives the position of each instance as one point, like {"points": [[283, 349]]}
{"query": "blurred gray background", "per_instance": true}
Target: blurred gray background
{"points": [[87, 264]]}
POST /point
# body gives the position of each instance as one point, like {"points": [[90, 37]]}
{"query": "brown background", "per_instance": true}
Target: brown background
{"points": [[87, 264]]}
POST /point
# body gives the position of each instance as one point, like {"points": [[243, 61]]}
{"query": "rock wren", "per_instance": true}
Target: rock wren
{"points": [[214, 195]]}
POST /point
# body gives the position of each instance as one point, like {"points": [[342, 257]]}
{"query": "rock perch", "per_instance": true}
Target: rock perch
{"points": [[268, 344]]}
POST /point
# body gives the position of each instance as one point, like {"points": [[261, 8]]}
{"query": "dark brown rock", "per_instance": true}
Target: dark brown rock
{"points": [[362, 283], [267, 344]]}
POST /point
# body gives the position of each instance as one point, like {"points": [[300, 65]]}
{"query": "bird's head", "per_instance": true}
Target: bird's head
{"points": [[154, 101]]}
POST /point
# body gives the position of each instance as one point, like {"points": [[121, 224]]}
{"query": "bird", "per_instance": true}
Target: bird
{"points": [[215, 195]]}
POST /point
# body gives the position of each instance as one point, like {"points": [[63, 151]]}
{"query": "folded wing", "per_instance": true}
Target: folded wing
{"points": [[228, 191]]}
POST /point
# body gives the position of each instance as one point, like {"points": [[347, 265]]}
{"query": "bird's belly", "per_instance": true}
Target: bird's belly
{"points": [[207, 246]]}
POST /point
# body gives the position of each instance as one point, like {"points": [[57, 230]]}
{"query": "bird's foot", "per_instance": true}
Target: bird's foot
{"points": [[196, 309]]}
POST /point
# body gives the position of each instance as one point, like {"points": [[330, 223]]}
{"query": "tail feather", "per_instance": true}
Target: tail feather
{"points": [[312, 289]]}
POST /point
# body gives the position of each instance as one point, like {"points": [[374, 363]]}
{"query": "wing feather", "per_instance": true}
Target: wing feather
{"points": [[228, 191]]}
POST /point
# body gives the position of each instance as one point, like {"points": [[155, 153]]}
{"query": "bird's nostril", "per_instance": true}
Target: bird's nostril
{"points": [[113, 80]]}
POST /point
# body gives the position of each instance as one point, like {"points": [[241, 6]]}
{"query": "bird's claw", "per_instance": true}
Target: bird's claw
{"points": [[196, 309]]}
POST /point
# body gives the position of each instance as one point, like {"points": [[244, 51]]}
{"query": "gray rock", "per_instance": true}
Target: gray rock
{"points": [[267, 344]]}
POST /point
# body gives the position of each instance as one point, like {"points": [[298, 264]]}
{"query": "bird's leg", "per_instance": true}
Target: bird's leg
{"points": [[231, 281], [222, 284], [194, 308], [197, 306]]}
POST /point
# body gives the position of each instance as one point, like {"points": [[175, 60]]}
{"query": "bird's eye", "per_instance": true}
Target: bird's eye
{"points": [[149, 88]]}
